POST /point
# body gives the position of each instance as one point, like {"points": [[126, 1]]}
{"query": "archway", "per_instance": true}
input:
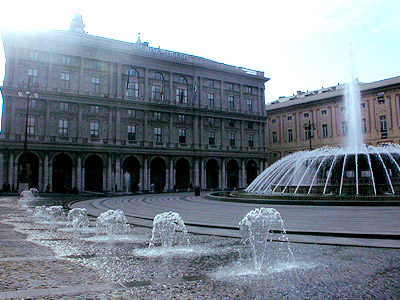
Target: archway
{"points": [[232, 169], [251, 171], [131, 166], [28, 169], [157, 173], [182, 174], [212, 174], [62, 173], [94, 173]]}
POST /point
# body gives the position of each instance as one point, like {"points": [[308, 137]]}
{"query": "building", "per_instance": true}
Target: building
{"points": [[321, 114], [102, 115]]}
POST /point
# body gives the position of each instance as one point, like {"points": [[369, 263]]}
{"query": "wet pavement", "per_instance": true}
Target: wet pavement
{"points": [[48, 261]]}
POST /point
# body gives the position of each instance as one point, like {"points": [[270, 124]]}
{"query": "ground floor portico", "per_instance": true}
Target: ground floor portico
{"points": [[103, 171]]}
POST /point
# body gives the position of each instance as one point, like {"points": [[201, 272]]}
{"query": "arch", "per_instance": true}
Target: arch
{"points": [[157, 174], [212, 174], [131, 166], [133, 72], [62, 173], [232, 171], [28, 169], [158, 76], [94, 173], [182, 80], [251, 171], [182, 174]]}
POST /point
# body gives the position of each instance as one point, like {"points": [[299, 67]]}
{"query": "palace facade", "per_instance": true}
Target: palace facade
{"points": [[316, 119], [105, 115]]}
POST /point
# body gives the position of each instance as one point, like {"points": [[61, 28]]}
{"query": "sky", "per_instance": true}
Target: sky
{"points": [[299, 45]]}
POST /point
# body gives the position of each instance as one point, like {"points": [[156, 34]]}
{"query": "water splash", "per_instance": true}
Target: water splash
{"points": [[112, 222], [78, 218], [170, 228], [260, 227]]}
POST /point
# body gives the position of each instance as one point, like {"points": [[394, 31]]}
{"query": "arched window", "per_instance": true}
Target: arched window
{"points": [[132, 83], [132, 72], [158, 76], [182, 80]]}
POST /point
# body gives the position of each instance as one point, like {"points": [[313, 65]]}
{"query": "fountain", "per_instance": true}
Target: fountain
{"points": [[78, 218], [259, 228], [112, 222], [127, 182], [169, 226], [356, 169], [49, 214]]}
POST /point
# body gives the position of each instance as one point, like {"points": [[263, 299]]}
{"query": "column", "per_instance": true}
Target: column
{"points": [[197, 172], [145, 175], [48, 123], [2, 172], [223, 175], [40, 179], [109, 174], [79, 174], [11, 169], [203, 174], [81, 81], [119, 80], [243, 183], [118, 173], [171, 175], [51, 174], [49, 73], [171, 88], [46, 170], [146, 88]]}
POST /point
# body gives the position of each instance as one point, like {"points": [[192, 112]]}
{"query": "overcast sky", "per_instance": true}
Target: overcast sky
{"points": [[300, 45]]}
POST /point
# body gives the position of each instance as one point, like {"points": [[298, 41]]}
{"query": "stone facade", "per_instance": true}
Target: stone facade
{"points": [[106, 115], [288, 118]]}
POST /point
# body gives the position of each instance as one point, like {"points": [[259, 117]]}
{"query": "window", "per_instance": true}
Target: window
{"points": [[133, 73], [344, 128], [211, 83], [230, 86], [131, 113], [33, 55], [250, 104], [249, 90], [342, 108], [211, 138], [63, 127], [250, 125], [181, 96], [94, 129], [182, 136], [307, 134], [96, 65], [362, 105], [306, 115], [132, 89], [211, 101], [364, 125], [381, 98], [131, 132], [157, 115], [211, 121], [32, 75], [32, 104], [274, 137], [64, 106], [182, 80], [251, 140], [66, 60], [231, 100], [289, 118], [323, 112], [273, 121], [290, 135], [65, 80], [95, 84], [231, 123], [31, 125], [158, 76], [157, 92], [158, 134], [324, 130], [94, 109], [182, 118], [382, 120], [232, 139]]}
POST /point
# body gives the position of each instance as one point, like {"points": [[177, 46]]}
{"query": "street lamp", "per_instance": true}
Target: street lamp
{"points": [[309, 128], [27, 90]]}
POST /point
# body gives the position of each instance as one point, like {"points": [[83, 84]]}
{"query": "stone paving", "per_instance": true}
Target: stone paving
{"points": [[44, 261]]}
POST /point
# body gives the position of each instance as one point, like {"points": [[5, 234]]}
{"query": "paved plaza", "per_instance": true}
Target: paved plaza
{"points": [[48, 261]]}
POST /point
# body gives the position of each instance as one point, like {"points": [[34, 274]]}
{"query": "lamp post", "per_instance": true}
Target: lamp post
{"points": [[309, 127], [27, 90]]}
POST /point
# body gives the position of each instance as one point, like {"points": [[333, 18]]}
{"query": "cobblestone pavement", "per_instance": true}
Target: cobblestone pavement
{"points": [[48, 261], [371, 226]]}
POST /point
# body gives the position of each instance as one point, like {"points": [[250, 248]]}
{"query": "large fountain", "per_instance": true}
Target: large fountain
{"points": [[355, 169]]}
